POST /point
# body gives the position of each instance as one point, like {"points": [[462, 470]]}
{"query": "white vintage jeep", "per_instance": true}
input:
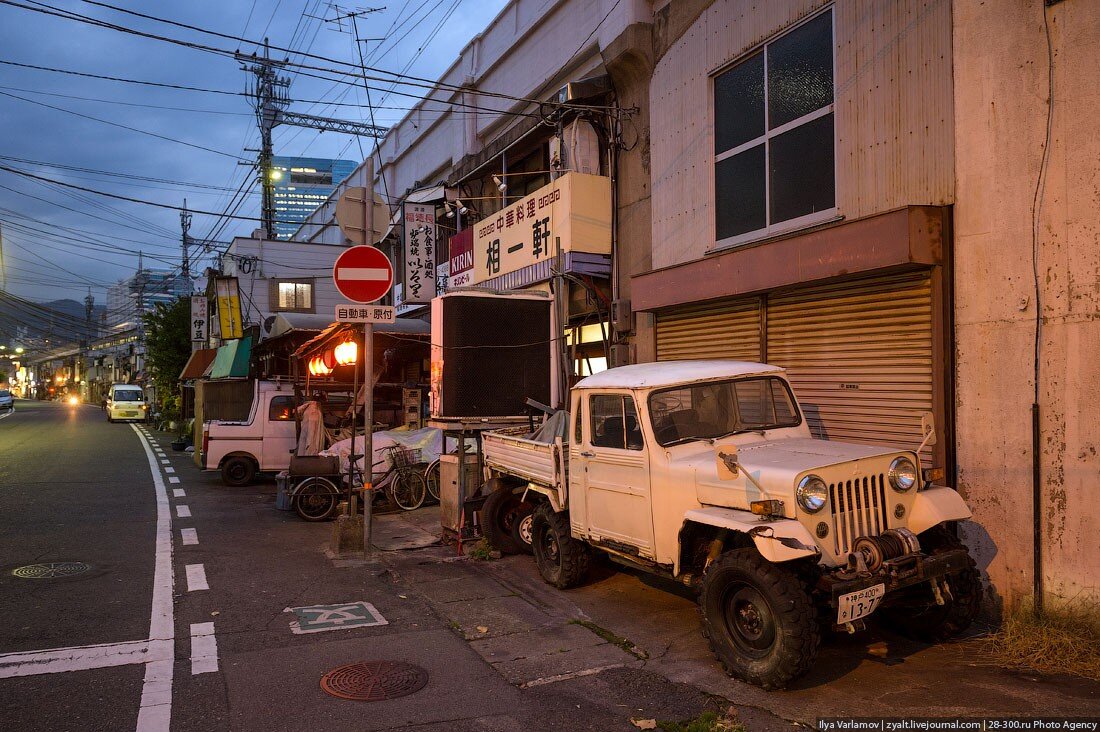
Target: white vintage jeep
{"points": [[705, 471]]}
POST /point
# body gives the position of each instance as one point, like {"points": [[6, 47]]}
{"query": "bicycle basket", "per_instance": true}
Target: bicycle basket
{"points": [[402, 457]]}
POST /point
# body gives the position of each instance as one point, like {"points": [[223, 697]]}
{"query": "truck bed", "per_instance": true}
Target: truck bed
{"points": [[508, 451]]}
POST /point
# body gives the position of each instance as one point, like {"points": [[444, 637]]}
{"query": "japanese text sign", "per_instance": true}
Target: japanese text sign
{"points": [[573, 212], [199, 318], [461, 272], [354, 313], [420, 242], [229, 307]]}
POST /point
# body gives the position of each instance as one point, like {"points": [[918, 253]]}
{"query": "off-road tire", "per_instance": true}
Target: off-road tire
{"points": [[921, 618], [771, 644], [316, 499], [238, 471], [562, 560], [498, 516]]}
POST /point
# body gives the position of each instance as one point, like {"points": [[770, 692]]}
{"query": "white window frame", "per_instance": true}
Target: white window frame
{"points": [[783, 227], [311, 308]]}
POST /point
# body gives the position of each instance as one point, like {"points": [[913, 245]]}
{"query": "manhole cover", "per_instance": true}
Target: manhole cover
{"points": [[51, 570], [374, 680]]}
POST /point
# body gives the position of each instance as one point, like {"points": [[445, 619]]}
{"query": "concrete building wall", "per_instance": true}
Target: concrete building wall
{"points": [[1001, 105], [893, 108], [256, 263]]}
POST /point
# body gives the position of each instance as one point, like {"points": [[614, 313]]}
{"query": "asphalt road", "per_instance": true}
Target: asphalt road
{"points": [[180, 618]]}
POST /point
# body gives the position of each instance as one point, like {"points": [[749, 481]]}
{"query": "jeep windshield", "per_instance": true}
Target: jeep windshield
{"points": [[717, 409]]}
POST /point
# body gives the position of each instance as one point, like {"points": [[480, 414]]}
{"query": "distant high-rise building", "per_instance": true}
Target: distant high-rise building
{"points": [[301, 185], [138, 293]]}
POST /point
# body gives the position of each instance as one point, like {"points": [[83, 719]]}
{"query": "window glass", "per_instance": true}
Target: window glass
{"points": [[801, 170], [614, 422], [295, 295], [711, 410], [800, 71], [281, 409], [129, 395], [739, 190], [577, 421], [739, 104]]}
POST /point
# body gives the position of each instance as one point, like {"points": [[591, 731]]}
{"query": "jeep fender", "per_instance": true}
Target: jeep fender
{"points": [[780, 540], [934, 506]]}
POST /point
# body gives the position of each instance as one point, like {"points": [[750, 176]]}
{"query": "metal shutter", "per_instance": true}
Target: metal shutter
{"points": [[859, 355], [729, 329]]}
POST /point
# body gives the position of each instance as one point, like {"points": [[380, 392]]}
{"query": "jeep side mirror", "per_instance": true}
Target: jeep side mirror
{"points": [[928, 430], [726, 458]]}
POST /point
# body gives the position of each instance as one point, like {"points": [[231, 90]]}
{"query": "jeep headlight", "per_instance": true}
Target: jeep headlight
{"points": [[811, 493], [903, 474]]}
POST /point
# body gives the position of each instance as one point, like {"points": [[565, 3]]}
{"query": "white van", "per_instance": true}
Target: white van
{"points": [[127, 401]]}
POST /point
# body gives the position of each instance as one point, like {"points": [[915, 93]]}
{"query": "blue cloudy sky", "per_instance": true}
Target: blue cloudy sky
{"points": [[58, 242]]}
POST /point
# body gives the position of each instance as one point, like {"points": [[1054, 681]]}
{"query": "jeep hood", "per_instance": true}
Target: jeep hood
{"points": [[775, 464]]}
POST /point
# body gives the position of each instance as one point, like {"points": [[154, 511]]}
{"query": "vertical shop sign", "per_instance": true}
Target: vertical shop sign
{"points": [[420, 243]]}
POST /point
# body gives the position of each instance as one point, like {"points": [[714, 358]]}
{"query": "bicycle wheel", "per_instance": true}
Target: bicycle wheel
{"points": [[408, 490], [431, 476]]}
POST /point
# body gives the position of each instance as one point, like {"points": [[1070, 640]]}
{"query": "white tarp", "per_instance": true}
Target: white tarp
{"points": [[428, 440], [312, 437]]}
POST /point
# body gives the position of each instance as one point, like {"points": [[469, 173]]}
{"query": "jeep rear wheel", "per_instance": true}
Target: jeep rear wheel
{"points": [[916, 614], [561, 559], [759, 619]]}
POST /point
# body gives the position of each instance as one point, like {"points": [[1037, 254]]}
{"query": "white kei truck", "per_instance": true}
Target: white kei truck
{"points": [[262, 443], [706, 472]]}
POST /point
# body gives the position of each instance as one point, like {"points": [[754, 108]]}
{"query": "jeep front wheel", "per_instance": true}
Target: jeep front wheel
{"points": [[759, 619], [562, 560]]}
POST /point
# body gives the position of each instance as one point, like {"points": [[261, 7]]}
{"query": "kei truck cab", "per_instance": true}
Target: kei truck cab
{"points": [[706, 472]]}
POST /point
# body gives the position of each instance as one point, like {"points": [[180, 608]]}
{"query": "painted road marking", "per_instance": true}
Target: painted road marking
{"points": [[204, 649], [183, 511], [166, 461], [155, 713], [7, 414], [196, 578], [173, 479], [169, 470], [76, 658], [178, 493], [189, 536], [319, 618]]}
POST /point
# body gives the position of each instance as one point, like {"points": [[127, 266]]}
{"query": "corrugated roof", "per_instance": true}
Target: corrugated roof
{"points": [[197, 364]]}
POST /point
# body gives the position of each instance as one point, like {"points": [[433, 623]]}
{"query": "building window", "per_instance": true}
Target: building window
{"points": [[774, 149], [293, 296]]}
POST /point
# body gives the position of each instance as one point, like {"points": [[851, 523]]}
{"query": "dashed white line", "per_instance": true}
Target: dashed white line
{"points": [[169, 470], [173, 479], [166, 461], [155, 713], [204, 649], [196, 578], [178, 493], [189, 537], [183, 511]]}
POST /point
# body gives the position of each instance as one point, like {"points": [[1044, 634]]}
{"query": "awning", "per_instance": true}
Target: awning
{"points": [[231, 360], [403, 326], [286, 322], [197, 364]]}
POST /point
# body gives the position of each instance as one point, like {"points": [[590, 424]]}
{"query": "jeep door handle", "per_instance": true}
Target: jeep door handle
{"points": [[587, 453]]}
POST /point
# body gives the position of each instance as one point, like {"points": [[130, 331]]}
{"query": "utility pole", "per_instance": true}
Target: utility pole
{"points": [[89, 309], [185, 226], [270, 96]]}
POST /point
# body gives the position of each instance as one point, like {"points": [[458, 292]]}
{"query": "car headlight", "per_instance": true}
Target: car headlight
{"points": [[811, 493], [903, 474]]}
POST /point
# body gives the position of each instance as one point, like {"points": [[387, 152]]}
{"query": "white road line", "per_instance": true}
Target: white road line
{"points": [[165, 461], [183, 511], [76, 658], [204, 649], [173, 479], [178, 493], [172, 470], [5, 415], [196, 578], [155, 713], [189, 537]]}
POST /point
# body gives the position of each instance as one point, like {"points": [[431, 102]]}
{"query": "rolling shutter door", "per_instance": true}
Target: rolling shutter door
{"points": [[859, 355], [730, 329]]}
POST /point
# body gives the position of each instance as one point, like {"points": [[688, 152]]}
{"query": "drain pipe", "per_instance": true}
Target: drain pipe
{"points": [[1036, 512]]}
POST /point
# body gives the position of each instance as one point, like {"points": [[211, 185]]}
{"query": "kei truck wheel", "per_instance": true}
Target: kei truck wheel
{"points": [[759, 619], [915, 613], [561, 559], [499, 516], [238, 471]]}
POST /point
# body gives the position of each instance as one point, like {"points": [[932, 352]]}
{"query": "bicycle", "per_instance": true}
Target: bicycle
{"points": [[403, 484]]}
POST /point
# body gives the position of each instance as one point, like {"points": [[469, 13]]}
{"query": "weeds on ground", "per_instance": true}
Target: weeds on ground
{"points": [[705, 722], [482, 551], [1062, 640], [615, 640]]}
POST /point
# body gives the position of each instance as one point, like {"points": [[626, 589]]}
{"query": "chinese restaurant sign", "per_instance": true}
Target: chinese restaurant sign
{"points": [[420, 240], [461, 272], [573, 211]]}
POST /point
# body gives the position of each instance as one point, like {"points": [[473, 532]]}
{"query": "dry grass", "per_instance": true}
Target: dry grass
{"points": [[1064, 640]]}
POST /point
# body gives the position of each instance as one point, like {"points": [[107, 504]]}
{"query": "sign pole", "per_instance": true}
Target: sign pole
{"points": [[368, 437]]}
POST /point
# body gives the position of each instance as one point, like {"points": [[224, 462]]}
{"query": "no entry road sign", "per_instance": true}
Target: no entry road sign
{"points": [[363, 274]]}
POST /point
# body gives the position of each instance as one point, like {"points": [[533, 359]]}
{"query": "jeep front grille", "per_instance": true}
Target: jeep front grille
{"points": [[859, 509]]}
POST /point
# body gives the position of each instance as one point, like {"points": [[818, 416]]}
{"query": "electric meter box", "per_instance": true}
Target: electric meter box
{"points": [[491, 352]]}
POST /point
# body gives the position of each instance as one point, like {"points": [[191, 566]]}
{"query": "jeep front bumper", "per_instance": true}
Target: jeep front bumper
{"points": [[896, 574]]}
